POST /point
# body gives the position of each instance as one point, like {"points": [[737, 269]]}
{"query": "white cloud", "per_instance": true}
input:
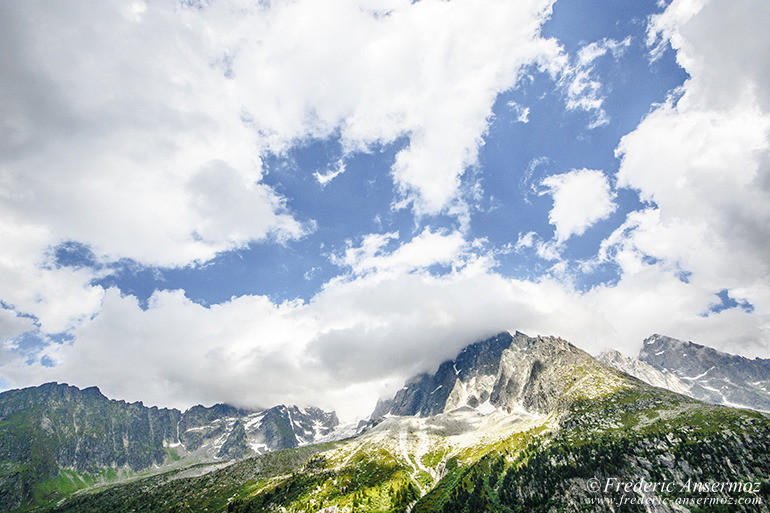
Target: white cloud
{"points": [[589, 53], [549, 250], [167, 94], [581, 197], [352, 342], [526, 240], [580, 80], [664, 27], [114, 120], [424, 250], [364, 333], [361, 337], [529, 184], [704, 160], [330, 174], [703, 164], [727, 69], [138, 129], [30, 282], [522, 112], [428, 70], [12, 325]]}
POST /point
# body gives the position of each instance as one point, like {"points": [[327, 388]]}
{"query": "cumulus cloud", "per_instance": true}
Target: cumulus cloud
{"points": [[12, 325], [424, 250], [121, 133], [581, 197], [115, 118], [383, 70], [359, 338], [31, 283], [138, 129], [703, 161], [354, 341]]}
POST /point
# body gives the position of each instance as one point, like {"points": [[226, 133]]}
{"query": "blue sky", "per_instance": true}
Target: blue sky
{"points": [[309, 201]]}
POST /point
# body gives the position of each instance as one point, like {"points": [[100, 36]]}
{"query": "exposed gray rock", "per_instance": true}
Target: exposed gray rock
{"points": [[201, 426], [508, 372], [236, 444], [699, 371], [280, 427], [427, 395], [646, 372], [383, 407]]}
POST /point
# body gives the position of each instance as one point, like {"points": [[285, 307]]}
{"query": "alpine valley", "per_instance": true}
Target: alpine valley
{"points": [[513, 424]]}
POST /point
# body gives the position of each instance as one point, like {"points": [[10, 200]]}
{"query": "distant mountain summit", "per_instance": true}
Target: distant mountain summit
{"points": [[225, 432], [506, 372], [645, 372], [698, 371]]}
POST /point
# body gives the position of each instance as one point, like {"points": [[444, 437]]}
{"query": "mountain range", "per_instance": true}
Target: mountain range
{"points": [[513, 423], [57, 431]]}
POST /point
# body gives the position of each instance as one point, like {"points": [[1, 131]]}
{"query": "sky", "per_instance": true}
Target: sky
{"points": [[309, 201]]}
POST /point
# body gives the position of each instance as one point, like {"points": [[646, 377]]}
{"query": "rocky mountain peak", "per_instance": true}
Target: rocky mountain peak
{"points": [[699, 371], [644, 371], [507, 372], [689, 360]]}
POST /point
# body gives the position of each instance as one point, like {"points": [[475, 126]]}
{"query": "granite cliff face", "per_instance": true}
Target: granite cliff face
{"points": [[646, 372], [55, 427], [713, 376], [699, 371], [506, 372]]}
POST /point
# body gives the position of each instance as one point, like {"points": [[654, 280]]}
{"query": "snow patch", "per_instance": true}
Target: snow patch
{"points": [[486, 408], [253, 420], [699, 375], [258, 447]]}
